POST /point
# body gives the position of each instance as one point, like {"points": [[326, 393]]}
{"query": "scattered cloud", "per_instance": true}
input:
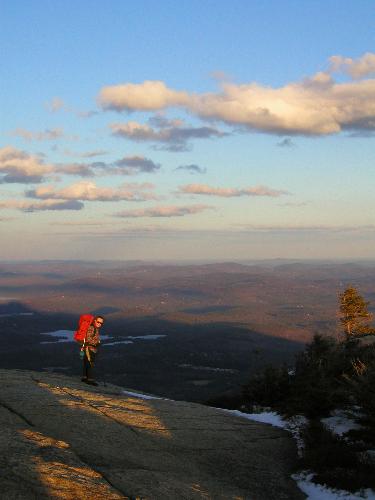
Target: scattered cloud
{"points": [[296, 204], [56, 104], [89, 191], [137, 164], [79, 169], [26, 206], [203, 189], [174, 137], [146, 96], [129, 165], [85, 154], [286, 143], [84, 223], [356, 68], [17, 166], [220, 76], [193, 169], [310, 228], [167, 211], [46, 135], [313, 106], [86, 114]]}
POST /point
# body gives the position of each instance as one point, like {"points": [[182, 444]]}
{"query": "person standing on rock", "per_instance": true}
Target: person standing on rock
{"points": [[89, 350]]}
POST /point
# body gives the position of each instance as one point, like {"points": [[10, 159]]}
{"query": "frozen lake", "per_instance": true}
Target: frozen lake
{"points": [[107, 340]]}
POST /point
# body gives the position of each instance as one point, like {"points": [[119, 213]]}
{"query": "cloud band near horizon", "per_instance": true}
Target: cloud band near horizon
{"points": [[203, 189]]}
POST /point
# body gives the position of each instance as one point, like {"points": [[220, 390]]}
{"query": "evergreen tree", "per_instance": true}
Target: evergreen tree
{"points": [[354, 317]]}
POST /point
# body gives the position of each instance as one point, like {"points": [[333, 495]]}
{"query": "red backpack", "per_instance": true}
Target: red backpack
{"points": [[83, 325]]}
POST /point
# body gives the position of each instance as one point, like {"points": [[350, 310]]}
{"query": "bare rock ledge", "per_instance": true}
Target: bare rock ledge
{"points": [[61, 438]]}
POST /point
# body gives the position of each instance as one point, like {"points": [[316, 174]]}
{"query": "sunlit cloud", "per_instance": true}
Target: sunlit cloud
{"points": [[313, 106], [203, 189], [146, 96], [89, 191], [356, 68], [17, 166], [193, 169], [167, 211]]}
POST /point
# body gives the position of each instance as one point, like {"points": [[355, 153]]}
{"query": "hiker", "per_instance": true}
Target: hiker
{"points": [[90, 349]]}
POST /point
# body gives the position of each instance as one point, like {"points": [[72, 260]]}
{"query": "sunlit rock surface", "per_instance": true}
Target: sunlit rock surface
{"points": [[63, 439]]}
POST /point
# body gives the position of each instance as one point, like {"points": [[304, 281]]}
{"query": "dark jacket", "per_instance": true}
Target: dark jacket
{"points": [[92, 338]]}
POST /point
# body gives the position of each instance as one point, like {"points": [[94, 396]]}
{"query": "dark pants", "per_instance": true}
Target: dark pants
{"points": [[88, 364]]}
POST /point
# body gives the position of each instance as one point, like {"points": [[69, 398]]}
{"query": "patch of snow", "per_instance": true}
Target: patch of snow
{"points": [[146, 337], [60, 335], [140, 396], [65, 336], [269, 417], [7, 315], [68, 336], [319, 492], [304, 479], [118, 342], [208, 368], [295, 426], [53, 368], [340, 422]]}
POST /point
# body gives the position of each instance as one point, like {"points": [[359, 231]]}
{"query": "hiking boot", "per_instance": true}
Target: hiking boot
{"points": [[84, 379], [92, 382]]}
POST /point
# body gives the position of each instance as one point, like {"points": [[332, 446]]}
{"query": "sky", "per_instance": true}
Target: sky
{"points": [[197, 130]]}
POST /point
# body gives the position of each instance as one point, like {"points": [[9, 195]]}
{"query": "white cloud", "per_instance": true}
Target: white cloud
{"points": [[203, 189], [312, 106], [89, 191], [167, 211], [19, 166]]}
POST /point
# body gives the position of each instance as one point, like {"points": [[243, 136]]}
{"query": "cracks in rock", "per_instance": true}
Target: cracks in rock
{"points": [[86, 403], [97, 409], [15, 412]]}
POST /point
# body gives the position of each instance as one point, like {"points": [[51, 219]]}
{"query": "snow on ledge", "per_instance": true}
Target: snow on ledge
{"points": [[320, 492]]}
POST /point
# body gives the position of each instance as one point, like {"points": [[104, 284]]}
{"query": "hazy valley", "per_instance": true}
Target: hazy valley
{"points": [[215, 324]]}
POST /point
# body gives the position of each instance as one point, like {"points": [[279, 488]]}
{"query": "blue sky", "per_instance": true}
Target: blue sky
{"points": [[206, 130]]}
